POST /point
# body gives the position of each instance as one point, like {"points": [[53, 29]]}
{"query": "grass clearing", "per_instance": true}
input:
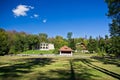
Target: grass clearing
{"points": [[38, 52], [56, 68]]}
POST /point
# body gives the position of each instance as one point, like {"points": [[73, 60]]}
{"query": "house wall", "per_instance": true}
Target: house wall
{"points": [[66, 53], [51, 46], [46, 46]]}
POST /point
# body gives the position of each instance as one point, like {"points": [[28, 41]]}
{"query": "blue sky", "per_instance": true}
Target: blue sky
{"points": [[55, 17]]}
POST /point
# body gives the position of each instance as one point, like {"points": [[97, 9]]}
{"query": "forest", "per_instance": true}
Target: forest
{"points": [[13, 42]]}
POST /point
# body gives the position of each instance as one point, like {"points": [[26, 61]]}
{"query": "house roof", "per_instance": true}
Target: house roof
{"points": [[82, 45], [65, 48]]}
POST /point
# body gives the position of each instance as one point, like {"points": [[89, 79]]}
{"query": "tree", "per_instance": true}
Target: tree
{"points": [[69, 35], [79, 40], [4, 48], [51, 40], [11, 41], [114, 28], [59, 42], [71, 41], [114, 14], [101, 44], [107, 44], [92, 45], [72, 44], [33, 41], [43, 37], [21, 41]]}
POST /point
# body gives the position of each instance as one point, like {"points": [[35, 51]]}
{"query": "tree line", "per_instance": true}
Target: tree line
{"points": [[13, 42]]}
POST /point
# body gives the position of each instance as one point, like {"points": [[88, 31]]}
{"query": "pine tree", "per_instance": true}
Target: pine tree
{"points": [[114, 14]]}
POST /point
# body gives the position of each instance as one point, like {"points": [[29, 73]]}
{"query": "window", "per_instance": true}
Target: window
{"points": [[43, 47], [46, 47], [46, 44], [40, 44]]}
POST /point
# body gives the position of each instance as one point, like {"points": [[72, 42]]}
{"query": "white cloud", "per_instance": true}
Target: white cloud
{"points": [[21, 10], [44, 20], [36, 15], [31, 7]]}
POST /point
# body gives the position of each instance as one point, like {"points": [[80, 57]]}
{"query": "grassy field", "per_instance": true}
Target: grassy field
{"points": [[58, 68], [38, 52]]}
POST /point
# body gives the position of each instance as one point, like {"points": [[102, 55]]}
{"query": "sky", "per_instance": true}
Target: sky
{"points": [[55, 17]]}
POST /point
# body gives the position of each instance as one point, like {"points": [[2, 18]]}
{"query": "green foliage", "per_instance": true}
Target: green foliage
{"points": [[92, 45], [72, 44], [59, 42], [33, 42], [115, 45], [56, 51], [114, 14], [12, 42], [101, 44], [69, 35], [20, 41], [43, 37], [101, 53], [4, 48], [71, 41], [114, 28]]}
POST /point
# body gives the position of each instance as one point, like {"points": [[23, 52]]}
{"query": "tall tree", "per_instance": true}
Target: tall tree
{"points": [[114, 14], [71, 41], [69, 35]]}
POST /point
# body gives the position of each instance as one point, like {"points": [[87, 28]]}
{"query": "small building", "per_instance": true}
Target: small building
{"points": [[46, 46], [81, 47], [65, 50]]}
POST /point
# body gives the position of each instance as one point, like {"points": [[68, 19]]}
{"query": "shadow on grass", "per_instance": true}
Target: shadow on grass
{"points": [[83, 72], [87, 62], [73, 72], [14, 71], [108, 60], [58, 74]]}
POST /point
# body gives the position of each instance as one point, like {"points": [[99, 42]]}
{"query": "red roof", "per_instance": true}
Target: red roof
{"points": [[65, 48]]}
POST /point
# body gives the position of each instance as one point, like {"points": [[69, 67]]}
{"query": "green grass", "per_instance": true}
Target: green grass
{"points": [[38, 52], [56, 68]]}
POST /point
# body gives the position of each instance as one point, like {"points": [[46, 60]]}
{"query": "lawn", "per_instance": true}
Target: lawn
{"points": [[38, 52], [57, 68]]}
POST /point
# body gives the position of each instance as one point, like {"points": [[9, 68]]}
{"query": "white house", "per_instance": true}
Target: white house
{"points": [[46, 46]]}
